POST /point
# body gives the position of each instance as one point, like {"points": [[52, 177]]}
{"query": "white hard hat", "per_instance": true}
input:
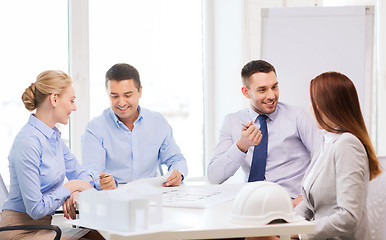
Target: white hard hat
{"points": [[261, 202]]}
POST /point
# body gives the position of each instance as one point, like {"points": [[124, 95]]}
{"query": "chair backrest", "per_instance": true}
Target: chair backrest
{"points": [[3, 193], [376, 204]]}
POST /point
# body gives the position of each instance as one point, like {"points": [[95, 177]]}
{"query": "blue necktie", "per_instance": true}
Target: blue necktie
{"points": [[259, 159]]}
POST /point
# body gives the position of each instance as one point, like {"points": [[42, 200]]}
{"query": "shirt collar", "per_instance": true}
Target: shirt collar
{"points": [[254, 114], [140, 116], [114, 117], [43, 128], [329, 137], [118, 122]]}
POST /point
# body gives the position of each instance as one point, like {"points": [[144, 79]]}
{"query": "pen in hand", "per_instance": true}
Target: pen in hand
{"points": [[100, 177], [244, 126]]}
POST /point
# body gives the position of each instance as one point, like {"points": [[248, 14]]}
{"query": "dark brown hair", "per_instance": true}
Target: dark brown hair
{"points": [[121, 72], [255, 66], [334, 95]]}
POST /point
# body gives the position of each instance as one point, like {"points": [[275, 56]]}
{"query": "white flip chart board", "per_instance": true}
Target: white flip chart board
{"points": [[303, 42]]}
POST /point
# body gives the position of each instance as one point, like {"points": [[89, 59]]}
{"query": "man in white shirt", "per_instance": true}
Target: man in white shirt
{"points": [[292, 134]]}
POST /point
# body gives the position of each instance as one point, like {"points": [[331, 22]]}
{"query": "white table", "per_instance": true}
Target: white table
{"points": [[211, 223], [208, 223]]}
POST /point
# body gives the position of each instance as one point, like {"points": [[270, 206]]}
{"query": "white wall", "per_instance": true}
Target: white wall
{"points": [[233, 37], [381, 76], [224, 49], [79, 70]]}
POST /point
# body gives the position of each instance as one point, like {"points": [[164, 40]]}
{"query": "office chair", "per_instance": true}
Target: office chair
{"points": [[376, 204], [4, 196], [35, 227]]}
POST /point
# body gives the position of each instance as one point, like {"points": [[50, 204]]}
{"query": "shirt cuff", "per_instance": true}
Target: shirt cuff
{"points": [[94, 175], [62, 192], [96, 185]]}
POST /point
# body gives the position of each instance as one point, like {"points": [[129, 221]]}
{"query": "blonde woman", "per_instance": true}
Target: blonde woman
{"points": [[39, 160]]}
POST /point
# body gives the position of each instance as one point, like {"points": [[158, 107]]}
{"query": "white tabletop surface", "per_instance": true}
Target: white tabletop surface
{"points": [[206, 223], [211, 223]]}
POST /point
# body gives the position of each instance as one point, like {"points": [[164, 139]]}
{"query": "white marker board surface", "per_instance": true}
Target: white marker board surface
{"points": [[303, 42]]}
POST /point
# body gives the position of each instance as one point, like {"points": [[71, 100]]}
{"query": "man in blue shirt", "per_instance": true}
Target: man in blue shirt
{"points": [[127, 140], [292, 134]]}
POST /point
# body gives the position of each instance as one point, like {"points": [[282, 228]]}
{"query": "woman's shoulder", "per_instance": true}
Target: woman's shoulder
{"points": [[349, 145], [346, 138], [26, 143], [28, 135]]}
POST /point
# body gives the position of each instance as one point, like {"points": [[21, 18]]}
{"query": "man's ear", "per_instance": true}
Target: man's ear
{"points": [[140, 92], [244, 90], [53, 99]]}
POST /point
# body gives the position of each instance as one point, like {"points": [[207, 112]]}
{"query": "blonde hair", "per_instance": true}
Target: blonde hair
{"points": [[47, 82]]}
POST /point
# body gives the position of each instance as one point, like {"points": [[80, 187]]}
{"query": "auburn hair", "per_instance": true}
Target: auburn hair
{"points": [[334, 95]]}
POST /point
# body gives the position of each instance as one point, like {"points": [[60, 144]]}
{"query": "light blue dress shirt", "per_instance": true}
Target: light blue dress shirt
{"points": [[292, 137], [39, 161], [109, 146]]}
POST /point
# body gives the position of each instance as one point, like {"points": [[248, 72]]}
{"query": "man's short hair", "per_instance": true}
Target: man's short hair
{"points": [[123, 71], [255, 66]]}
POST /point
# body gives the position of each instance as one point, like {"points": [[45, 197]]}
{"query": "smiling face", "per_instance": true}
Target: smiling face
{"points": [[124, 98], [263, 92], [64, 105]]}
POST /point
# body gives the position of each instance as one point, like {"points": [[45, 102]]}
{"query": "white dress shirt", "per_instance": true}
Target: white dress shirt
{"points": [[292, 138]]}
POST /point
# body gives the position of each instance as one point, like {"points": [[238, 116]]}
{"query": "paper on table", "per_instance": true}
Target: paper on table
{"points": [[197, 196], [185, 196], [155, 181]]}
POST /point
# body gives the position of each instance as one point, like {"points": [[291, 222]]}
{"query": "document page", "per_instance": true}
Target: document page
{"points": [[189, 196], [203, 196]]}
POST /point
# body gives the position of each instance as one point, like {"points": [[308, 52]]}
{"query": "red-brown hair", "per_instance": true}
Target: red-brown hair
{"points": [[334, 95]]}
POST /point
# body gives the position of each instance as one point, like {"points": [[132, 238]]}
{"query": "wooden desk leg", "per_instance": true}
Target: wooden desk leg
{"points": [[285, 237]]}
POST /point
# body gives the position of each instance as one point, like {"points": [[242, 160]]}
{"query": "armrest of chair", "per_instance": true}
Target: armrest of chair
{"points": [[61, 211], [35, 227]]}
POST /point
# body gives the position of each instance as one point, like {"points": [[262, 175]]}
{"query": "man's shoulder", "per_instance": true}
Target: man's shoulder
{"points": [[148, 112], [152, 115], [284, 107], [235, 118], [291, 111], [100, 120], [239, 113]]}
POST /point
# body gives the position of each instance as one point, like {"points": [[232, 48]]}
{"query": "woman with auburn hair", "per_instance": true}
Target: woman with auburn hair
{"points": [[334, 188], [39, 160]]}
